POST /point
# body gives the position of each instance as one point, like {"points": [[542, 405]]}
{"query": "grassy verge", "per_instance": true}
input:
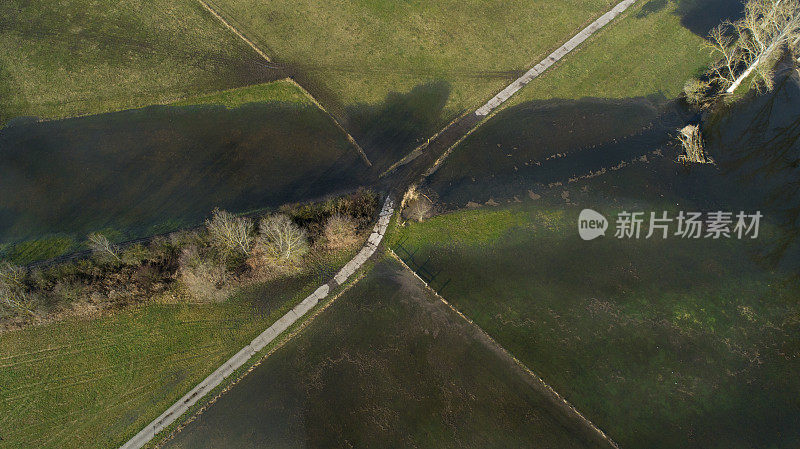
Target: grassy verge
{"points": [[80, 57], [377, 370], [661, 343], [276, 91], [94, 383]]}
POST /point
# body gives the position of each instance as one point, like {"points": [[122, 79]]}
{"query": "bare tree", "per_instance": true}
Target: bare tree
{"points": [[722, 42], [230, 232], [282, 238], [419, 209], [102, 247], [755, 41]]}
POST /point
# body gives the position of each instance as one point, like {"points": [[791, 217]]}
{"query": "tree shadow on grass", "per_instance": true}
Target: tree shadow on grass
{"points": [[136, 170], [388, 131], [757, 146], [698, 16]]}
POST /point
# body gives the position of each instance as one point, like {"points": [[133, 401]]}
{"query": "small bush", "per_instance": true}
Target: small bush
{"points": [[66, 291], [135, 254], [697, 92], [160, 250], [340, 231]]}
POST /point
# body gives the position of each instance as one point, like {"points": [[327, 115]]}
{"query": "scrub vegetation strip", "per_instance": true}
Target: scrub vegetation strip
{"points": [[260, 342]]}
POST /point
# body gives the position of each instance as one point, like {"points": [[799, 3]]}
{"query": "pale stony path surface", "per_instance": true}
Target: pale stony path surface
{"points": [[554, 57], [177, 409], [429, 155]]}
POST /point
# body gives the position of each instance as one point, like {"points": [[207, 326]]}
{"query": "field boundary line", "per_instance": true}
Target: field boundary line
{"points": [[560, 399], [176, 410], [350, 138], [229, 26], [486, 109], [261, 53]]}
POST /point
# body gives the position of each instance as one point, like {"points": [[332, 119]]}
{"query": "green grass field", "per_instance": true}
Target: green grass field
{"points": [[661, 343], [95, 383], [364, 59], [647, 51], [75, 57], [360, 51], [387, 365]]}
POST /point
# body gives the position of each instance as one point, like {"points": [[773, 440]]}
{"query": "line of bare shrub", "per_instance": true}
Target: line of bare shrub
{"points": [[203, 265]]}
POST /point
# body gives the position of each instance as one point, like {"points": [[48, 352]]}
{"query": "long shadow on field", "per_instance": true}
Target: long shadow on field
{"points": [[388, 131], [536, 144], [698, 16], [757, 146], [664, 343], [158, 168], [387, 365]]}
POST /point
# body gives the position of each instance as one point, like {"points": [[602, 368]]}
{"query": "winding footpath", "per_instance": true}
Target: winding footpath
{"points": [[265, 338]]}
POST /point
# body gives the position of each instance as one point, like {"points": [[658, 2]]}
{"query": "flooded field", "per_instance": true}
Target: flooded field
{"points": [[661, 342], [386, 365], [151, 170], [537, 144]]}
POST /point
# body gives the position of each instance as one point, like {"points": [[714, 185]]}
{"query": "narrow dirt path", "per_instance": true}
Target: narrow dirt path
{"points": [[234, 30]]}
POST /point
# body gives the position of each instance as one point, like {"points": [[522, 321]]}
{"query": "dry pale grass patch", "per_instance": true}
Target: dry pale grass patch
{"points": [[340, 231], [203, 277]]}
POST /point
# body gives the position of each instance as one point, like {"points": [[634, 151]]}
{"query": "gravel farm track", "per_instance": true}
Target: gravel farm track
{"points": [[395, 181]]}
